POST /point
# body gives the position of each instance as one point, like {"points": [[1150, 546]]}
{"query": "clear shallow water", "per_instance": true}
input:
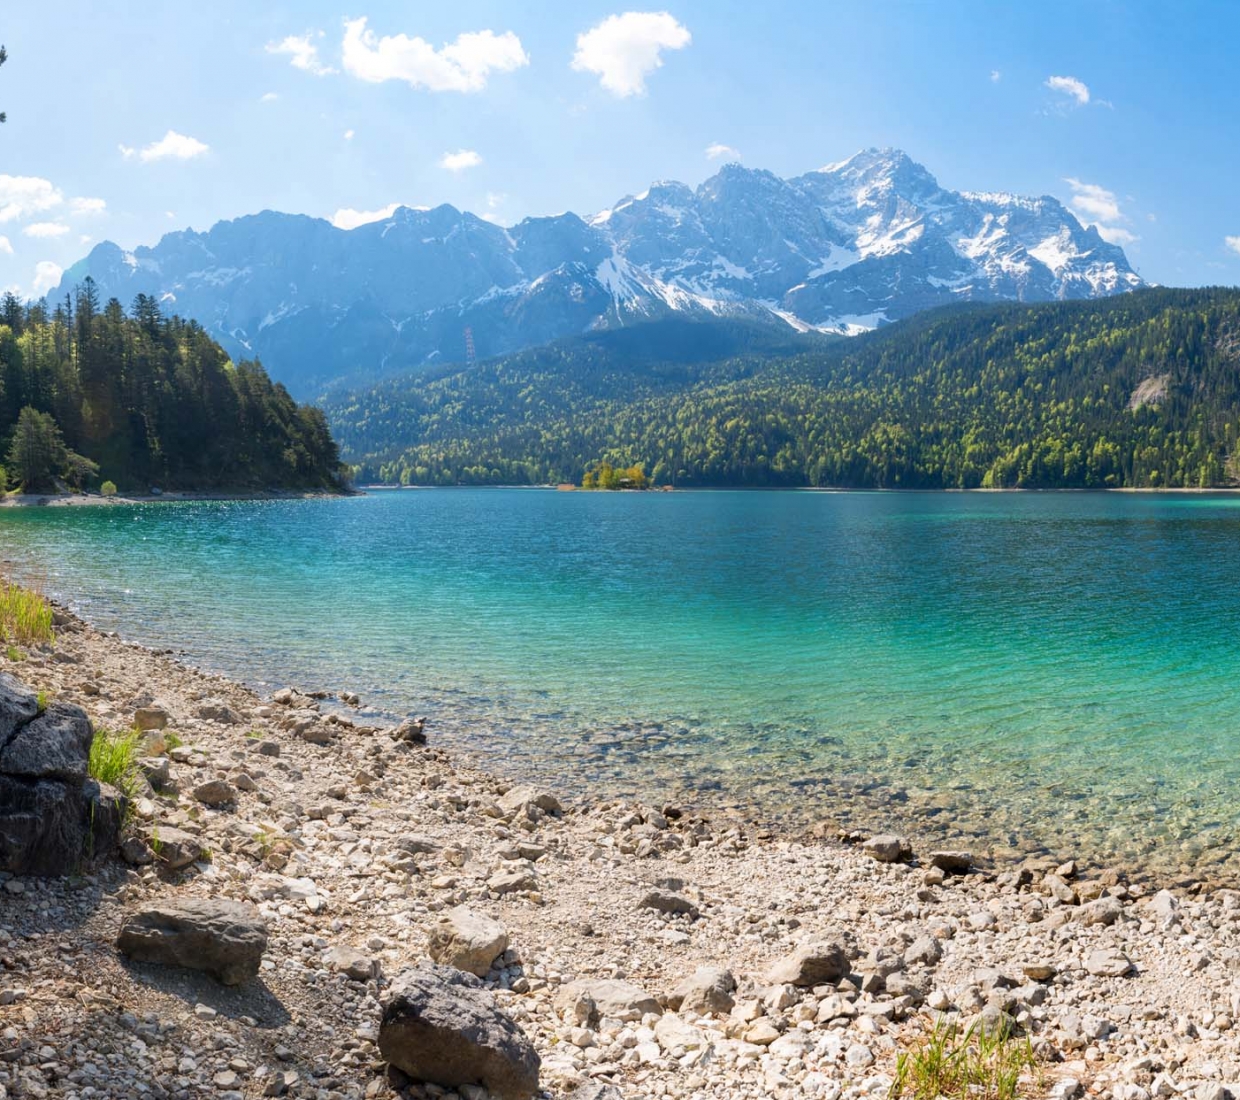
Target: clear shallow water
{"points": [[1055, 671]]}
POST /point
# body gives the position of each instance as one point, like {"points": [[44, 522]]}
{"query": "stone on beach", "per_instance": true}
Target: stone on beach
{"points": [[150, 718], [467, 940], [441, 1027], [811, 965], [707, 991], [606, 997], [224, 938], [887, 848]]}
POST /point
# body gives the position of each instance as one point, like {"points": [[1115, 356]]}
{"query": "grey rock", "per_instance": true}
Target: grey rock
{"points": [[53, 819], [887, 848], [669, 904], [810, 965], [157, 770], [1108, 962], [352, 963], [224, 938], [150, 718], [520, 798], [467, 941], [440, 1027], [215, 792], [595, 1090], [222, 713], [610, 997], [411, 730], [1104, 911], [174, 847], [708, 991]]}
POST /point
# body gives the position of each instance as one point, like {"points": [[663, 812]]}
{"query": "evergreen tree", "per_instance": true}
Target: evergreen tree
{"points": [[37, 454]]}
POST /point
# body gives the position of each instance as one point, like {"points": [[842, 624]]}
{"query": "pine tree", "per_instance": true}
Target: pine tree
{"points": [[37, 454]]}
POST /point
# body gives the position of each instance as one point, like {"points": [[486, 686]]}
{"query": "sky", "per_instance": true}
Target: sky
{"points": [[128, 121]]}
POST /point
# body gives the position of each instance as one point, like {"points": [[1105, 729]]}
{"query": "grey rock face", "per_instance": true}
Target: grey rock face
{"points": [[52, 818], [467, 940], [224, 938], [440, 1027], [845, 248]]}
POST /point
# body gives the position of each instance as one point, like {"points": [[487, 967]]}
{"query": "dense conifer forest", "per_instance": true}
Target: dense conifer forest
{"points": [[1140, 390], [91, 396]]}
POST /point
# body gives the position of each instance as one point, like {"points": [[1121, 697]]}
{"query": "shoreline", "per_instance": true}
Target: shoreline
{"points": [[350, 842], [172, 496]]}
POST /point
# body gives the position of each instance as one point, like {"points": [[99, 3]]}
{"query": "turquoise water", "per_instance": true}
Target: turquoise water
{"points": [[1049, 671]]}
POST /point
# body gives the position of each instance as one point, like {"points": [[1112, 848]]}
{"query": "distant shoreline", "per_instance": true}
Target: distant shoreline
{"points": [[363, 489], [75, 500]]}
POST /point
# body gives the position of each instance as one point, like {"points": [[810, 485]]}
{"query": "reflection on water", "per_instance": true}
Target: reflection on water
{"points": [[1030, 670]]}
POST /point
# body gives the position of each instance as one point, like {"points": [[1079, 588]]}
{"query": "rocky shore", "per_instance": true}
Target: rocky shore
{"points": [[311, 906]]}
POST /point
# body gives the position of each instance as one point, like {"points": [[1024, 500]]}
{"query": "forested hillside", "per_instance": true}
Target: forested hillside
{"points": [[90, 395], [1141, 390]]}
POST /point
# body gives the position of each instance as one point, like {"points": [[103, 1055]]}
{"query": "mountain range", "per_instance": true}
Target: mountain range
{"points": [[844, 249]]}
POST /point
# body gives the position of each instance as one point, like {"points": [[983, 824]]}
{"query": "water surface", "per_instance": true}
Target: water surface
{"points": [[1051, 671]]}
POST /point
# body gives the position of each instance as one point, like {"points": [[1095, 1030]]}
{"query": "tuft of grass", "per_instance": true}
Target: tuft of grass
{"points": [[42, 701], [25, 615], [14, 654], [114, 760], [171, 741], [978, 1064]]}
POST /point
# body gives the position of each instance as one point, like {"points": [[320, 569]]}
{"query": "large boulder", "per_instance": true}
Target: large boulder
{"points": [[441, 1027], [53, 819], [224, 938], [706, 991], [467, 940]]}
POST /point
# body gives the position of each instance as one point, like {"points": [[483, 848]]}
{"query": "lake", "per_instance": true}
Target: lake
{"points": [[1027, 671]]}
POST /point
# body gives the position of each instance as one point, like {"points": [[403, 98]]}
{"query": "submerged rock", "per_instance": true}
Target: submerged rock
{"points": [[441, 1027]]}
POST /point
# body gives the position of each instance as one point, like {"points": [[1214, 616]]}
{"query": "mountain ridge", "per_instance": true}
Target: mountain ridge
{"points": [[843, 249]]}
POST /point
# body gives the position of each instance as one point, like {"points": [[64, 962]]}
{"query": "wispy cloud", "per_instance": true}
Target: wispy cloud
{"points": [[717, 150], [172, 146], [87, 206], [995, 76], [1076, 92], [6, 246], [460, 66], [460, 160], [268, 97], [22, 196], [302, 52], [1233, 243], [348, 135], [45, 229], [623, 50]]}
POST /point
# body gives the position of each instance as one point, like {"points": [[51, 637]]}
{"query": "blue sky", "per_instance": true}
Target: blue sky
{"points": [[127, 121]]}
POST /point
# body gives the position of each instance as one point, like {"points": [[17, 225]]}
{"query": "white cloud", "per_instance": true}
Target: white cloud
{"points": [[1233, 243], [348, 135], [718, 150], [6, 246], [21, 196], [1095, 205], [46, 276], [495, 199], [460, 160], [1071, 87], [625, 49], [347, 218], [268, 97], [1117, 234], [460, 66], [46, 229], [995, 76], [174, 145], [87, 206], [1094, 202], [302, 53], [169, 214], [85, 238]]}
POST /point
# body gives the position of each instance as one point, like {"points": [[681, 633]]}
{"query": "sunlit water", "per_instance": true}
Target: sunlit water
{"points": [[1057, 671]]}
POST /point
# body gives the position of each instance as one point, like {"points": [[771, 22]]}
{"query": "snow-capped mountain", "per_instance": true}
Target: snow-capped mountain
{"points": [[843, 249]]}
